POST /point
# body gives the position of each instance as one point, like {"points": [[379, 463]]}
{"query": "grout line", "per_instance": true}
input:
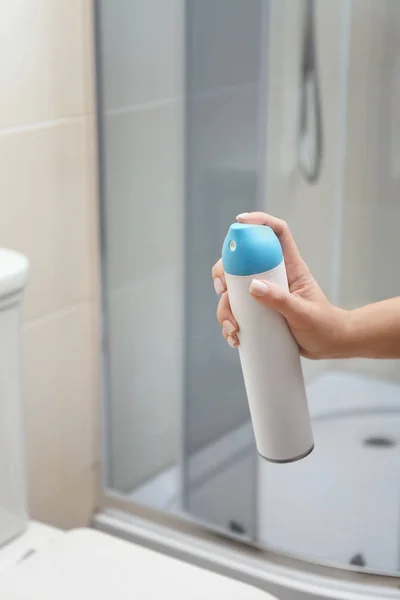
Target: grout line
{"points": [[127, 110], [225, 89], [211, 93], [58, 313], [133, 284], [27, 127]]}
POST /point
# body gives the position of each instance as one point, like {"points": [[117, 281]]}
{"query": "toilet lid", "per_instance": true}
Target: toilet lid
{"points": [[86, 564]]}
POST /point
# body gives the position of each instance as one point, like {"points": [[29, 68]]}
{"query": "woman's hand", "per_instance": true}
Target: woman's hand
{"points": [[318, 327]]}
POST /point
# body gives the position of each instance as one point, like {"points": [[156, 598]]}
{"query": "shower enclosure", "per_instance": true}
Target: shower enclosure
{"points": [[209, 108]]}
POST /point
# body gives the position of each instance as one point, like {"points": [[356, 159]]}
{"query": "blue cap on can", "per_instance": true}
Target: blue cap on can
{"points": [[250, 249]]}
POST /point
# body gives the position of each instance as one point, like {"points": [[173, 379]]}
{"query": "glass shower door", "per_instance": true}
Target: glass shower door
{"points": [[163, 349], [341, 505], [225, 130]]}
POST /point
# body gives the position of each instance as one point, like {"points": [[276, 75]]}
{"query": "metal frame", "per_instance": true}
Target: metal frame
{"points": [[190, 541], [283, 577], [103, 314]]}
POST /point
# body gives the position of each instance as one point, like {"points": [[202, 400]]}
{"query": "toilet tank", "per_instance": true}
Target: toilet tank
{"points": [[13, 496]]}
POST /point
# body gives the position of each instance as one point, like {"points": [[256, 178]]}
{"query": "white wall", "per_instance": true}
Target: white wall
{"points": [[309, 209], [370, 217], [143, 138], [371, 243], [372, 211], [48, 209]]}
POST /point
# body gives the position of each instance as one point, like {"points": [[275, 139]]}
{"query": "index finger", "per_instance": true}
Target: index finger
{"points": [[280, 228]]}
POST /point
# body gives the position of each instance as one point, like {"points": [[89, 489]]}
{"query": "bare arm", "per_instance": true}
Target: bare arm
{"points": [[373, 331]]}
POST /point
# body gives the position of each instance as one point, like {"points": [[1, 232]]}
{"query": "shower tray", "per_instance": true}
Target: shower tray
{"points": [[341, 505]]}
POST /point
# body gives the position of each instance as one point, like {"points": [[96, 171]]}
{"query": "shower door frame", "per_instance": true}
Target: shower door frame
{"points": [[196, 542]]}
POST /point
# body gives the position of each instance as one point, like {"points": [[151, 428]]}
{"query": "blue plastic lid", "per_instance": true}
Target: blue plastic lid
{"points": [[250, 249]]}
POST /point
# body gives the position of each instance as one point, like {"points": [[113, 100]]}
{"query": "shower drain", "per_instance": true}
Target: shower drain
{"points": [[236, 527], [379, 441], [358, 560]]}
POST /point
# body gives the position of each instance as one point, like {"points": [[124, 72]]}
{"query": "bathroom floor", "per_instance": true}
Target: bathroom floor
{"points": [[340, 505]]}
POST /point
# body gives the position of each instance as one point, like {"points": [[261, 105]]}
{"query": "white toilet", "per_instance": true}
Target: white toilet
{"points": [[42, 563]]}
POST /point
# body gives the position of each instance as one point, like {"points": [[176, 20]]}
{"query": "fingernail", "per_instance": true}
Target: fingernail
{"points": [[219, 286], [241, 216], [228, 327], [232, 342], [258, 288]]}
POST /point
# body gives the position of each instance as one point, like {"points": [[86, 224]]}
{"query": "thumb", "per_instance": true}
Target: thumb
{"points": [[288, 305]]}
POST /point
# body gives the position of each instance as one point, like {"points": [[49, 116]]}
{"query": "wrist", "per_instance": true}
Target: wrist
{"points": [[346, 344]]}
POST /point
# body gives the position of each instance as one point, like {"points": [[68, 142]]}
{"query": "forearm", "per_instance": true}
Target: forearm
{"points": [[373, 331]]}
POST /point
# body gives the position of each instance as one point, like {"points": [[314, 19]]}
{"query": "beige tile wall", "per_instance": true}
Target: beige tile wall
{"points": [[48, 211]]}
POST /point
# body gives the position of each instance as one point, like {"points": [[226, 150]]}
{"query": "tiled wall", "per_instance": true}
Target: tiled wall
{"points": [[371, 215], [142, 69], [372, 211], [309, 209], [48, 211], [365, 209]]}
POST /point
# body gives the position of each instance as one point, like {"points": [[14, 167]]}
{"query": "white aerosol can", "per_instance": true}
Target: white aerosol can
{"points": [[269, 354]]}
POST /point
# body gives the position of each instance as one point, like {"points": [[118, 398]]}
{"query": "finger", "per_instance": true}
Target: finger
{"points": [[280, 228], [225, 316], [292, 307], [232, 340], [218, 276]]}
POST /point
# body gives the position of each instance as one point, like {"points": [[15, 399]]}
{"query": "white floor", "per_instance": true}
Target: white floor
{"points": [[341, 503], [35, 536]]}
